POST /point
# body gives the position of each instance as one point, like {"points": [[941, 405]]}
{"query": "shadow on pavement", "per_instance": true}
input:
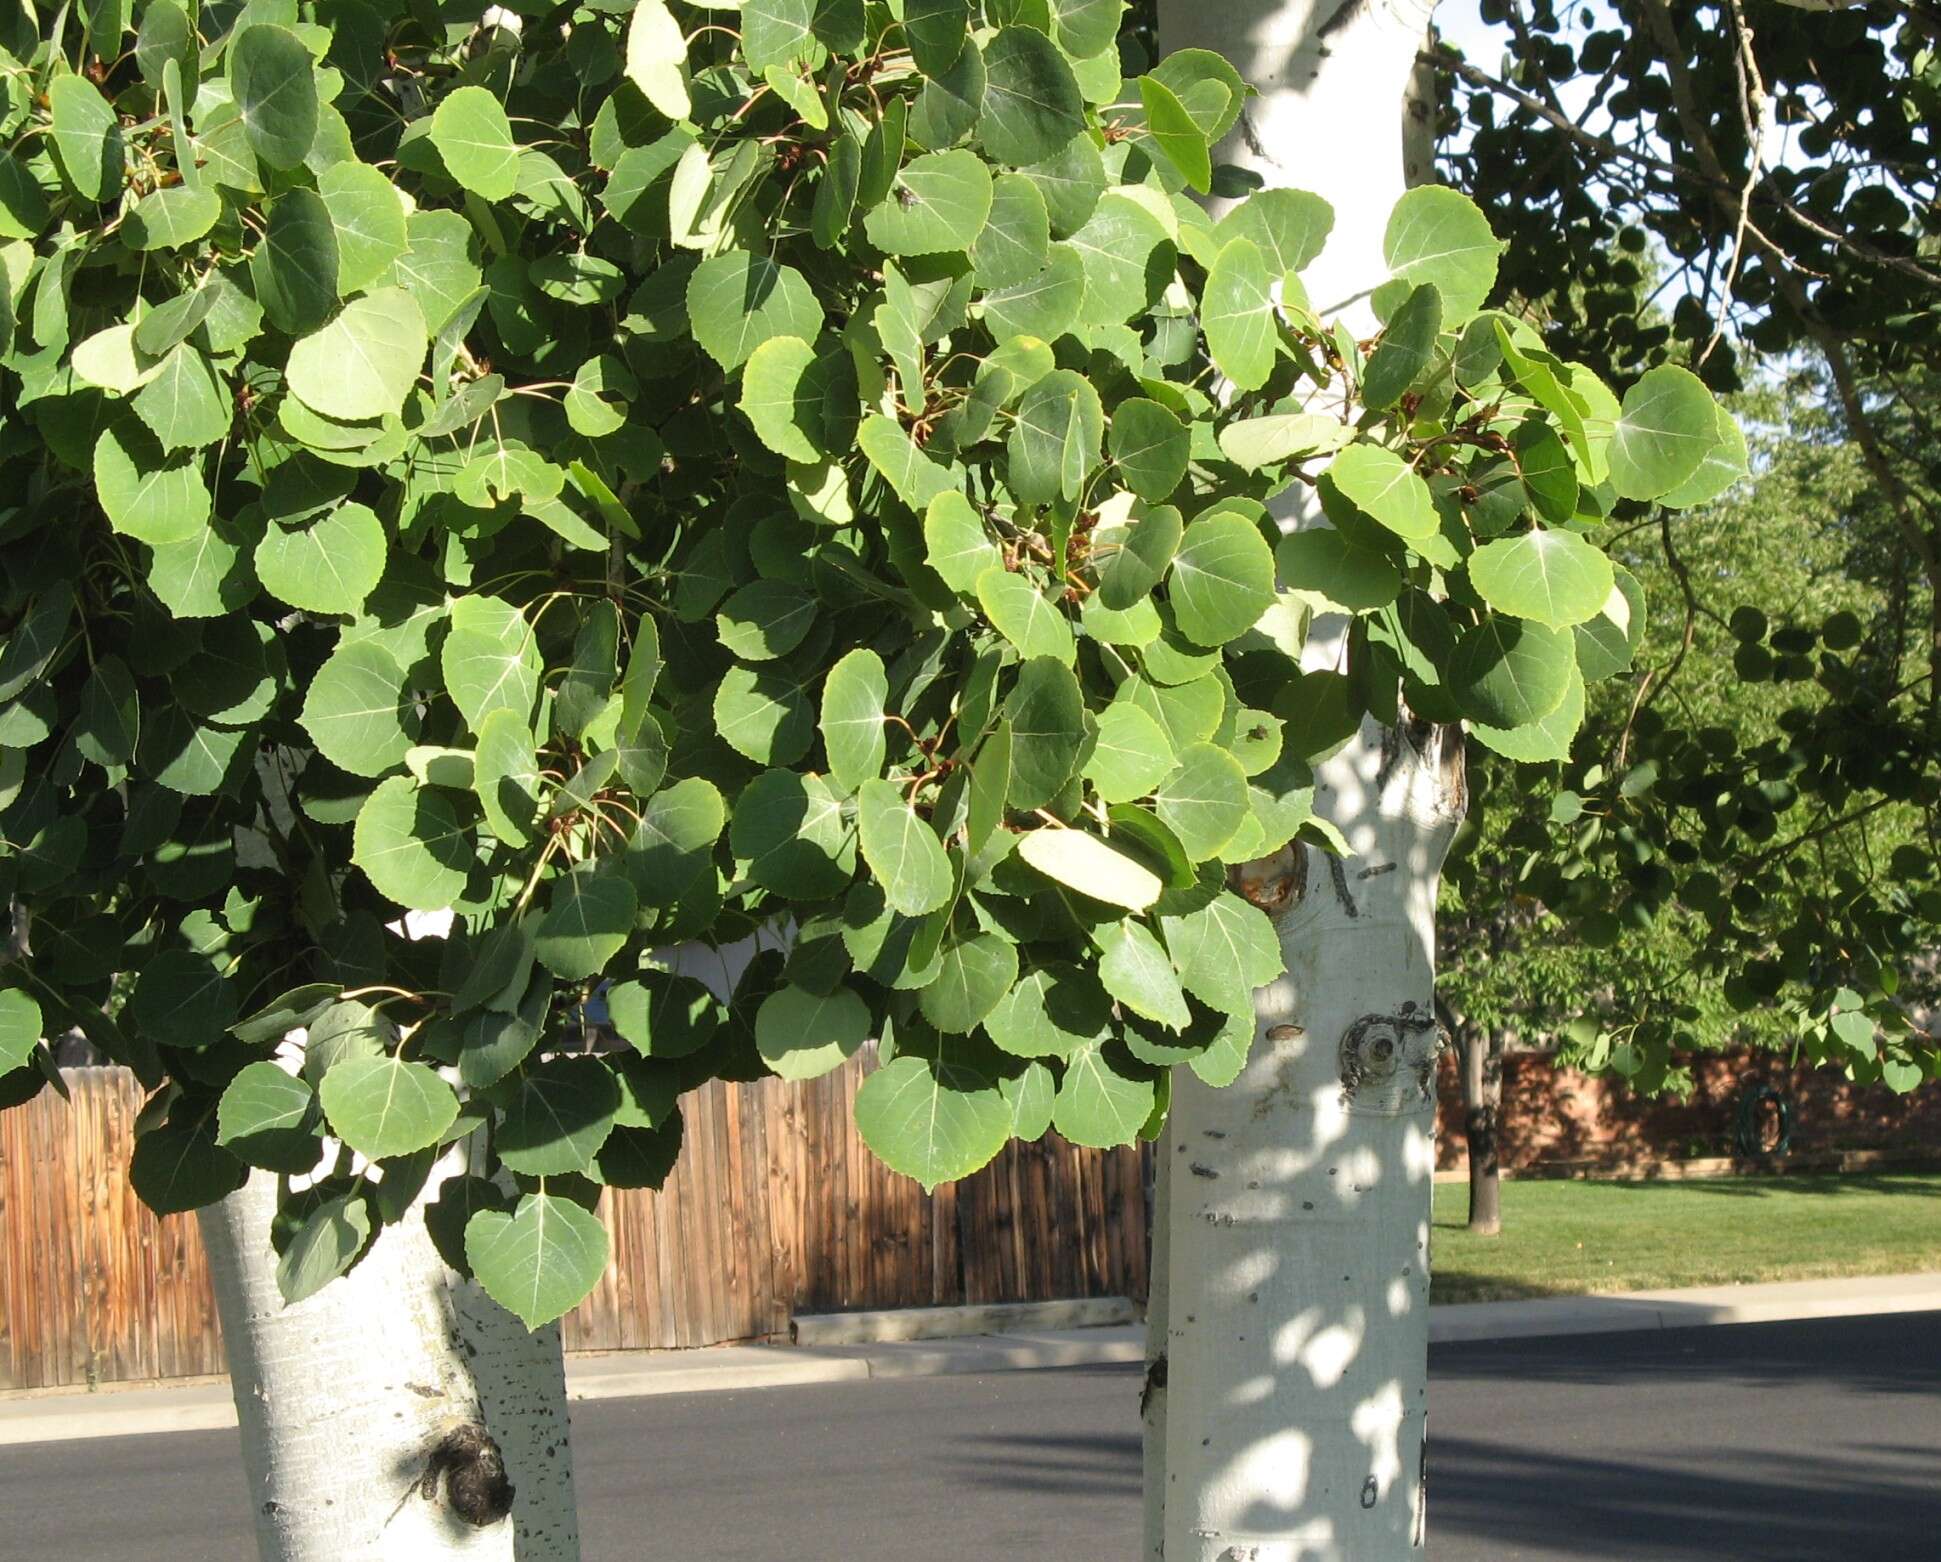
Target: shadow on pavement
{"points": [[1684, 1503]]}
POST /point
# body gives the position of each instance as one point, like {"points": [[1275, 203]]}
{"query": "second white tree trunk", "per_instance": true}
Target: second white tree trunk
{"points": [[1297, 1199]]}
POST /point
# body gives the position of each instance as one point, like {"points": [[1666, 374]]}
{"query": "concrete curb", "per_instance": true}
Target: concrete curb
{"points": [[48, 1418]]}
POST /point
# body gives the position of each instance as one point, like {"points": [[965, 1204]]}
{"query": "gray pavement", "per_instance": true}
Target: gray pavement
{"points": [[1814, 1441]]}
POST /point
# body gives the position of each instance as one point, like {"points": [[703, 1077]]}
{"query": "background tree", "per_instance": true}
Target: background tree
{"points": [[1829, 160]]}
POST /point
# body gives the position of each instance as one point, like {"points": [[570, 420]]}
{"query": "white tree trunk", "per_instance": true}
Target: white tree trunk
{"points": [[1296, 1327], [345, 1398]]}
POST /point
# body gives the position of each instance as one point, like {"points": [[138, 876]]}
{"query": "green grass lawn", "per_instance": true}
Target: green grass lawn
{"points": [[1562, 1237]]}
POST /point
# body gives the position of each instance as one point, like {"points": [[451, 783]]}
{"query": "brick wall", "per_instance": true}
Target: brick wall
{"points": [[1552, 1115]]}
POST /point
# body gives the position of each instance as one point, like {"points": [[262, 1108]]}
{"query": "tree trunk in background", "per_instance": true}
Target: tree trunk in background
{"points": [[1296, 1330], [350, 1399], [1481, 1051]]}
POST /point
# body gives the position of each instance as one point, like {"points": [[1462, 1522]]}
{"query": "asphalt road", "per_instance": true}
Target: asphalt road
{"points": [[1796, 1442]]}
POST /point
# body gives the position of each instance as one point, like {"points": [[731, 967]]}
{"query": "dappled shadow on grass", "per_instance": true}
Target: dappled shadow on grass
{"points": [[1877, 1502], [1896, 1185], [1452, 1287]]}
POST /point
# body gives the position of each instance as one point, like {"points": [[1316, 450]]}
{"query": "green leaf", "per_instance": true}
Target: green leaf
{"points": [[1257, 443], [1544, 741], [777, 32], [1015, 244], [737, 301], [1507, 672], [657, 58], [933, 1121], [1137, 971], [171, 217], [764, 713], [1052, 1011], [1055, 441], [765, 619], [1127, 259], [804, 1035], [588, 918], [1136, 558], [490, 660], [179, 1167], [1438, 236], [1023, 615], [852, 725], [1132, 755], [540, 1261], [972, 975], [364, 363], [665, 1016], [1032, 102], [1204, 801], [1607, 642], [109, 720], [1046, 717], [1222, 579], [1325, 562], [1237, 314], [1087, 864], [916, 479], [1554, 577], [146, 495], [1180, 140], [801, 403], [369, 221], [333, 1232], [902, 850], [957, 546], [1044, 306], [331, 565], [359, 711], [1387, 488], [951, 102], [1105, 1098], [183, 405], [20, 1028], [1085, 28], [87, 137], [1224, 951], [936, 31], [937, 204], [1668, 425], [385, 1106], [274, 81], [296, 267], [1407, 348], [1288, 227], [474, 137], [1151, 446], [559, 1117], [1725, 464], [411, 845], [789, 829]]}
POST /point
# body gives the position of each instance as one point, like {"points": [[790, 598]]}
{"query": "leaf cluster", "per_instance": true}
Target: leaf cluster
{"points": [[501, 499]]}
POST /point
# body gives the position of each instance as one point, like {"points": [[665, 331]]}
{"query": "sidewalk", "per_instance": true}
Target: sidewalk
{"points": [[205, 1404]]}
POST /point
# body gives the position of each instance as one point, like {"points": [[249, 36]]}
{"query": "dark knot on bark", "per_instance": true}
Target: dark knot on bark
{"points": [[476, 1486]]}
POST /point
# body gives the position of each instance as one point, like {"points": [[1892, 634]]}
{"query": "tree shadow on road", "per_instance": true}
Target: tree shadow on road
{"points": [[1880, 1502]]}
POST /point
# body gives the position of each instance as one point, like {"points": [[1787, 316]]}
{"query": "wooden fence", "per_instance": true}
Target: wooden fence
{"points": [[775, 1208]]}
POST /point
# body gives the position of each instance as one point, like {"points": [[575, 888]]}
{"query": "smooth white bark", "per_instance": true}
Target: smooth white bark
{"points": [[1297, 1297], [343, 1398]]}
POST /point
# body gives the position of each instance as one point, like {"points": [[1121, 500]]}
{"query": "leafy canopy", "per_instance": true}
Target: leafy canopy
{"points": [[628, 477]]}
